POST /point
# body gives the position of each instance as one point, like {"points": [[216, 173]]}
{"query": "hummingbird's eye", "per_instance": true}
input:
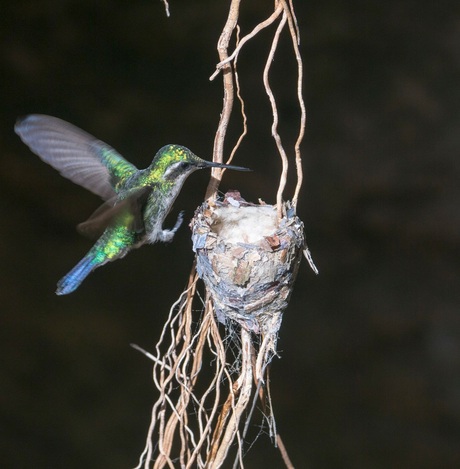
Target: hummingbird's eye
{"points": [[176, 169]]}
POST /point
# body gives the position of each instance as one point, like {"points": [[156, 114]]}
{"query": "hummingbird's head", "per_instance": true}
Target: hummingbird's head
{"points": [[175, 161]]}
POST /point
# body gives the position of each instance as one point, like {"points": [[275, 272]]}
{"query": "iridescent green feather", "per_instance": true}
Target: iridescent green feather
{"points": [[117, 240], [120, 169], [169, 154]]}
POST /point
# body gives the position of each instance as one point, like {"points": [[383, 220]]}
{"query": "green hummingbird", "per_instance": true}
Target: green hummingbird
{"points": [[136, 201]]}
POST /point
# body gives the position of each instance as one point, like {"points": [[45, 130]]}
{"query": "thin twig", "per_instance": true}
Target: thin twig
{"points": [[150, 356], [262, 25], [283, 452], [297, 30], [295, 36], [245, 388], [241, 100], [222, 48], [166, 4], [275, 134]]}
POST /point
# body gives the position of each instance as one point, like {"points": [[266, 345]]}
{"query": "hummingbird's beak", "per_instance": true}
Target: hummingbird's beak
{"points": [[212, 164]]}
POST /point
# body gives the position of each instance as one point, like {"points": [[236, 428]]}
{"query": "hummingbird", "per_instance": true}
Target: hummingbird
{"points": [[136, 201]]}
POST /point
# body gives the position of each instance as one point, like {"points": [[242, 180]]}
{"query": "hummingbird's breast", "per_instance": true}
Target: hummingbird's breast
{"points": [[159, 204]]}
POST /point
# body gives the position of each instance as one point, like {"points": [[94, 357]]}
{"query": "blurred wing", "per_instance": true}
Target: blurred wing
{"points": [[114, 210], [76, 154]]}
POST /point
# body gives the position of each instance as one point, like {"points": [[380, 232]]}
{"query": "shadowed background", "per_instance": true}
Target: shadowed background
{"points": [[369, 375]]}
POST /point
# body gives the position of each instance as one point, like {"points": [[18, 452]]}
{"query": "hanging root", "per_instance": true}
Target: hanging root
{"points": [[197, 428]]}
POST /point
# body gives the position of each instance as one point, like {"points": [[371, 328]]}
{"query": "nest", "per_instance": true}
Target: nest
{"points": [[248, 259]]}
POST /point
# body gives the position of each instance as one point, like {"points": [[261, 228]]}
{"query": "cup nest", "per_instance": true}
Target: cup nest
{"points": [[248, 259]]}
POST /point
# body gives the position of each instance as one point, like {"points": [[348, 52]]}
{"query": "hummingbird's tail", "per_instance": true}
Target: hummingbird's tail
{"points": [[71, 281]]}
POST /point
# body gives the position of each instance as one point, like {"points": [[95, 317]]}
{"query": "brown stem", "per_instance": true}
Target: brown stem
{"points": [[227, 77]]}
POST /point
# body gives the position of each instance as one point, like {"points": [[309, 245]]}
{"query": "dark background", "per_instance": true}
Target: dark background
{"points": [[369, 375]]}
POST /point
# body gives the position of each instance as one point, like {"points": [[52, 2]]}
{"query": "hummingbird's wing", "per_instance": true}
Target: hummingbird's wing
{"points": [[111, 211], [76, 154]]}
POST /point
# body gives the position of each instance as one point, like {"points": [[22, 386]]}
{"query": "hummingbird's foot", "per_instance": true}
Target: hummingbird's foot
{"points": [[167, 235]]}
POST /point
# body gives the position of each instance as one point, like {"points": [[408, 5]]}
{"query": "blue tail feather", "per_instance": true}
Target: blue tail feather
{"points": [[71, 281]]}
